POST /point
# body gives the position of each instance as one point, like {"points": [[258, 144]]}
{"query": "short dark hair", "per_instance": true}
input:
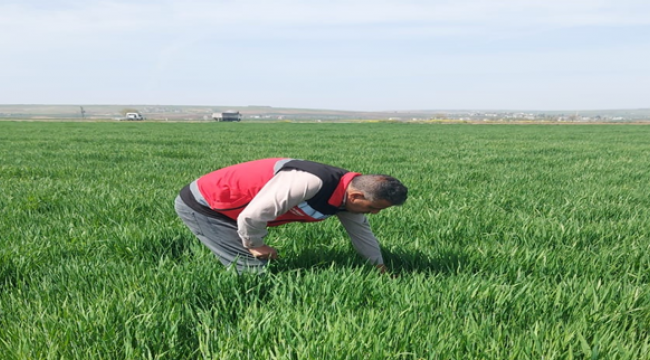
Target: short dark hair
{"points": [[381, 187]]}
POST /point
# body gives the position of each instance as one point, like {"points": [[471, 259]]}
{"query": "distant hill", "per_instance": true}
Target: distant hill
{"points": [[183, 112], [267, 113]]}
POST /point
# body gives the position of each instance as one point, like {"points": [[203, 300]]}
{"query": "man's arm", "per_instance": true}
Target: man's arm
{"points": [[363, 240], [284, 191]]}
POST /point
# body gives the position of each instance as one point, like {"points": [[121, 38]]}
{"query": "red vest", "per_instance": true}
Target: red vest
{"points": [[229, 190]]}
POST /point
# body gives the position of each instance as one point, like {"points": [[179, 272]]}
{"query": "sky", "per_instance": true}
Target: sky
{"points": [[363, 55]]}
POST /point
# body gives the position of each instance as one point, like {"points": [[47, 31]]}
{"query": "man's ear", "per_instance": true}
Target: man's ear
{"points": [[356, 195]]}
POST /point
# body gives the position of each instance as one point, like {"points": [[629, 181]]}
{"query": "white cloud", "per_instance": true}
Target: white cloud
{"points": [[255, 18], [536, 12], [174, 45]]}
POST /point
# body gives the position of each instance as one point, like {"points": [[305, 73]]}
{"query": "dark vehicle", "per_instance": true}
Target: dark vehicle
{"points": [[227, 116]]}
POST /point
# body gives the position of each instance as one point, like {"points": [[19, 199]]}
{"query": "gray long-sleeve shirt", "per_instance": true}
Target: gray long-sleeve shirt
{"points": [[288, 189]]}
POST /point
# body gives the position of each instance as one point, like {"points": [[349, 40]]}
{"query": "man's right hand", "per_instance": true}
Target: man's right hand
{"points": [[264, 252]]}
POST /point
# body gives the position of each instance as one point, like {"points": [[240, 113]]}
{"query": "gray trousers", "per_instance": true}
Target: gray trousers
{"points": [[220, 236]]}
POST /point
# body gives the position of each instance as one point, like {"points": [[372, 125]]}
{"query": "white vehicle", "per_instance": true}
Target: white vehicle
{"points": [[133, 116]]}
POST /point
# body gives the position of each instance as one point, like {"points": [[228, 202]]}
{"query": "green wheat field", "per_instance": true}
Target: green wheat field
{"points": [[517, 242]]}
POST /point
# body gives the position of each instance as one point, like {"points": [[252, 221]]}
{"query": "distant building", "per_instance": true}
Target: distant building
{"points": [[227, 116]]}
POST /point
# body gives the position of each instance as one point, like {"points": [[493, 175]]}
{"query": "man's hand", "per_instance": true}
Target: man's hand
{"points": [[264, 252]]}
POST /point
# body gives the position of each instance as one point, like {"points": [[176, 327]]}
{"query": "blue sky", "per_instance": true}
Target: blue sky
{"points": [[350, 55]]}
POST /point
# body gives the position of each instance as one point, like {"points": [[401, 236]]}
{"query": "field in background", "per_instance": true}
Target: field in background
{"points": [[521, 242], [164, 113]]}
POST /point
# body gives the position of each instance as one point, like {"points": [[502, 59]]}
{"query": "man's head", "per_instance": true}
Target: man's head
{"points": [[373, 193]]}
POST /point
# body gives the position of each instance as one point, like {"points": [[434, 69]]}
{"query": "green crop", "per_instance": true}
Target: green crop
{"points": [[517, 242]]}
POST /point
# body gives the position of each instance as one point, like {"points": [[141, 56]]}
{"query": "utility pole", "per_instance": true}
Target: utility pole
{"points": [[83, 112]]}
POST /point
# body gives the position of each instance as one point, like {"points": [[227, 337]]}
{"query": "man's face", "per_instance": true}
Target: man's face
{"points": [[356, 203]]}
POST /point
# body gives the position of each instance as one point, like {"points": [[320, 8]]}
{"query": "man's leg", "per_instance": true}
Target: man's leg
{"points": [[220, 236]]}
